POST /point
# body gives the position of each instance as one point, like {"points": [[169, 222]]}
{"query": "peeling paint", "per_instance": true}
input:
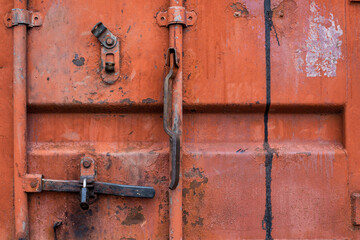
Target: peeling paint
{"points": [[323, 46]]}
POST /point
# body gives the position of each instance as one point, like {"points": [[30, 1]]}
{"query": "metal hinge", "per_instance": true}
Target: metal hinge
{"points": [[176, 15], [19, 16]]}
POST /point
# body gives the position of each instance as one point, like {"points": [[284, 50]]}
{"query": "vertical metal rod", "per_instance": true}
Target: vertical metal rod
{"points": [[176, 41], [19, 101]]}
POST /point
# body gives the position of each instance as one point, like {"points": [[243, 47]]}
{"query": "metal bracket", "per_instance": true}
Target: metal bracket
{"points": [[86, 186], [19, 16], [110, 53], [176, 15]]}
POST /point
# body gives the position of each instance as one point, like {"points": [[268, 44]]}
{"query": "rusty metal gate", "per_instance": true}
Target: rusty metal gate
{"points": [[180, 119]]}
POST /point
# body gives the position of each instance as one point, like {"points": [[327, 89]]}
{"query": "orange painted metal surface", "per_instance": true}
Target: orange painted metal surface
{"points": [[265, 102]]}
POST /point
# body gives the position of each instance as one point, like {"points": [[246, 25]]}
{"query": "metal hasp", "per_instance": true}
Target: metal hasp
{"points": [[86, 186], [19, 16], [175, 19], [110, 53]]}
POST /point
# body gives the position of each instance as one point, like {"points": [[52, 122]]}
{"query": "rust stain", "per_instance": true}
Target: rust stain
{"points": [[134, 217], [78, 61]]}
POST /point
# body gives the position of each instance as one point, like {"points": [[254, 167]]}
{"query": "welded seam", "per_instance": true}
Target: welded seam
{"points": [[268, 217]]}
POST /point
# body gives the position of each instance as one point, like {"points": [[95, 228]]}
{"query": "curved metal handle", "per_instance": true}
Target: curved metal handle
{"points": [[172, 61]]}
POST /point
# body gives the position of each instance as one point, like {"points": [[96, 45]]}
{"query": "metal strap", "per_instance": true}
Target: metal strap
{"points": [[19, 16]]}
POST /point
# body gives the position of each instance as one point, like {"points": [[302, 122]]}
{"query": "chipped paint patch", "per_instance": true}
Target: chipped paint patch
{"points": [[323, 45]]}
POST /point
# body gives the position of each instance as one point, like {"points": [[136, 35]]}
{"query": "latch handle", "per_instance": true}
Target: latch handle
{"points": [[172, 62]]}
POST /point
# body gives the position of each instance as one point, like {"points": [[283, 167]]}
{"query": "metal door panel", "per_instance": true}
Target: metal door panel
{"points": [[64, 56], [224, 176], [128, 149], [225, 57], [269, 148], [6, 126]]}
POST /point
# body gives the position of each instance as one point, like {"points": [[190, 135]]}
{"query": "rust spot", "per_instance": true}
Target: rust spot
{"points": [[108, 165], [185, 192], [81, 224], [76, 101], [184, 217], [195, 183], [149, 100], [239, 10], [198, 222], [127, 101], [134, 217], [78, 61], [194, 172], [284, 17]]}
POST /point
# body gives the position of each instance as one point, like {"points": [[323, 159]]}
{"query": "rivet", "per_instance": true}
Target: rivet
{"points": [[237, 14], [281, 13], [86, 163], [110, 41], [33, 184]]}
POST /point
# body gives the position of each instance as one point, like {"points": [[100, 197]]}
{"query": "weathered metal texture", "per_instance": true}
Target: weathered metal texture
{"points": [[77, 85], [7, 226], [176, 15], [352, 109], [175, 194], [110, 53], [270, 133], [23, 17], [228, 176], [129, 149], [19, 123]]}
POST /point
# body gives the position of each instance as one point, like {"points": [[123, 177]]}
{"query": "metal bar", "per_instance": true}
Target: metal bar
{"points": [[124, 190], [61, 185], [176, 41], [173, 134], [99, 188], [19, 98]]}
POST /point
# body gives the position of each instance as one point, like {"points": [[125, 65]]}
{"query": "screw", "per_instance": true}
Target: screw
{"points": [[33, 184], [281, 13], [237, 14], [86, 163], [110, 41]]}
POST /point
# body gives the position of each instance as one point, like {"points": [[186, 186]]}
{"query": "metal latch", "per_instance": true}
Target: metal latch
{"points": [[86, 186], [110, 53], [19, 16], [175, 18]]}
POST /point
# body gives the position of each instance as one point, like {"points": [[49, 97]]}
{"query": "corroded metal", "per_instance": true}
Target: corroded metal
{"points": [[110, 53], [176, 15], [312, 121], [18, 16], [86, 186]]}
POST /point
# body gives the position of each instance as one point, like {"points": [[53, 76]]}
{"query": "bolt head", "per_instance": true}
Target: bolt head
{"points": [[33, 184], [237, 14], [110, 41], [281, 13], [86, 163]]}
